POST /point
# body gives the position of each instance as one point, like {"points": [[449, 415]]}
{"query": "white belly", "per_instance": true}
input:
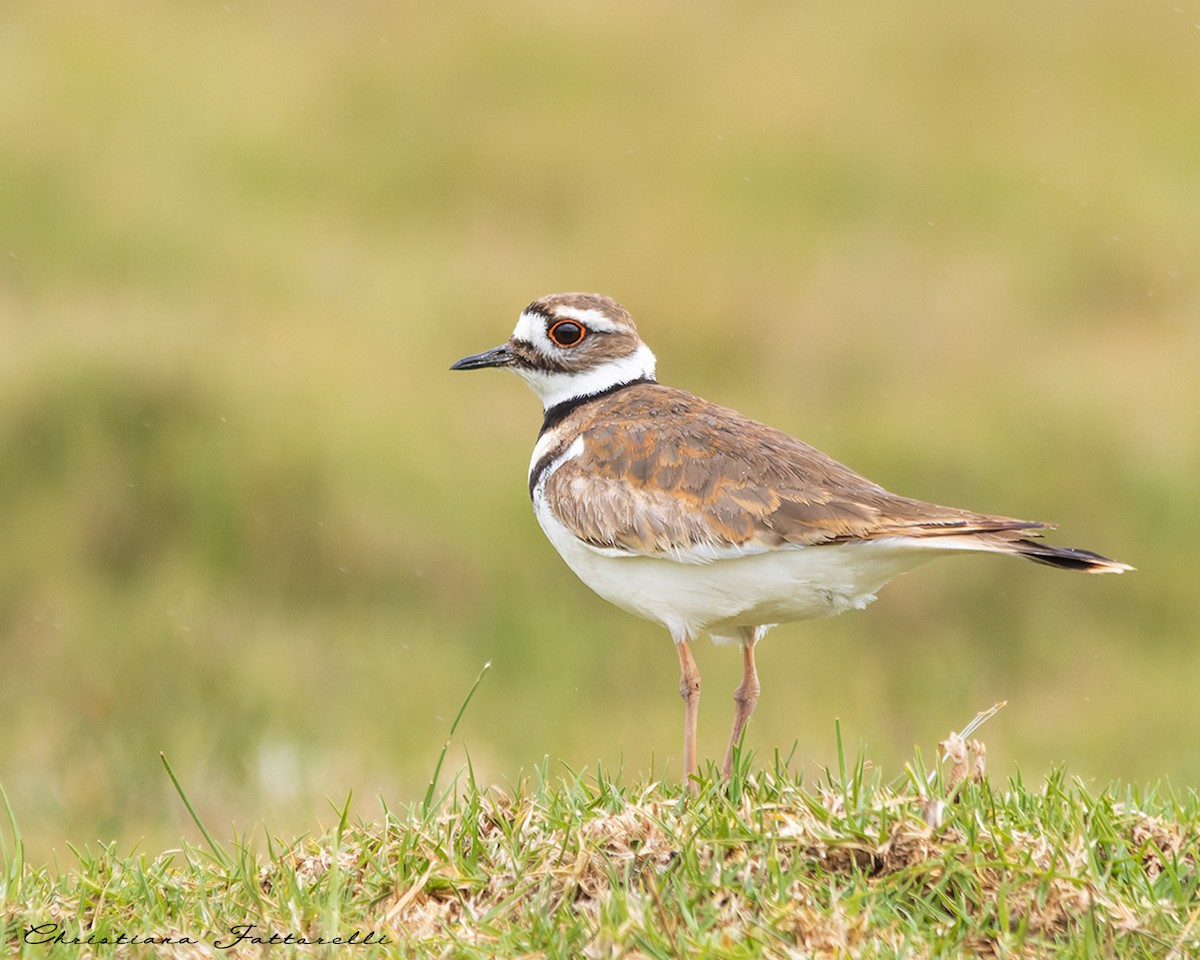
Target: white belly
{"points": [[796, 583]]}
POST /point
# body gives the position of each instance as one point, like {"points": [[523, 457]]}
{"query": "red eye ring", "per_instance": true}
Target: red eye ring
{"points": [[567, 333]]}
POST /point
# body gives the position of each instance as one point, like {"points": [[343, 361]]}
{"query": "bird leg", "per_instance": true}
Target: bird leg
{"points": [[689, 689], [746, 695]]}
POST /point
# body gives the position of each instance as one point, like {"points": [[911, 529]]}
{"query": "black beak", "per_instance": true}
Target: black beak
{"points": [[496, 357]]}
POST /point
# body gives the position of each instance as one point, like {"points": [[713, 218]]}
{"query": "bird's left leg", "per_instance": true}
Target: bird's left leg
{"points": [[689, 689]]}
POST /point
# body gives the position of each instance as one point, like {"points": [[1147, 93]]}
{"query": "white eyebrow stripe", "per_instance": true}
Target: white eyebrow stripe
{"points": [[531, 326], [594, 319]]}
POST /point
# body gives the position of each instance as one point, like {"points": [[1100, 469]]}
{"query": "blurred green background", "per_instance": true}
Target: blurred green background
{"points": [[248, 518]]}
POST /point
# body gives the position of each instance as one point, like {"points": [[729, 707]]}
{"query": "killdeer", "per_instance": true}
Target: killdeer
{"points": [[698, 518]]}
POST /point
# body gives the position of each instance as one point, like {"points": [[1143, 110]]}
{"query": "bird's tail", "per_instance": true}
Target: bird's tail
{"points": [[1022, 538], [1066, 558], [961, 530]]}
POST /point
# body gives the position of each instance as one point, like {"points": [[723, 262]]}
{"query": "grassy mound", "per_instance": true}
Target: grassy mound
{"points": [[945, 864]]}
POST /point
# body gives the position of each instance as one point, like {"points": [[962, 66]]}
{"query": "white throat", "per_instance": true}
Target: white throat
{"points": [[553, 387]]}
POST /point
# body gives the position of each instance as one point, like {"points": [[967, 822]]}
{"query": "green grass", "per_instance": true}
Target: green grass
{"points": [[581, 864]]}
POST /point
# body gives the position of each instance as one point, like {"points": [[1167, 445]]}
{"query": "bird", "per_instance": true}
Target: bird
{"points": [[702, 520]]}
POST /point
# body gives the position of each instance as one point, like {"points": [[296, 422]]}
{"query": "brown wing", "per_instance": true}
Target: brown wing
{"points": [[666, 473]]}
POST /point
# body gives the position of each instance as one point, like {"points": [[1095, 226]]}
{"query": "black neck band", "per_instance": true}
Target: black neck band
{"points": [[560, 411]]}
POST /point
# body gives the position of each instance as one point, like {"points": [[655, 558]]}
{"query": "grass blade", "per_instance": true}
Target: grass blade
{"points": [[427, 803], [15, 866], [220, 854]]}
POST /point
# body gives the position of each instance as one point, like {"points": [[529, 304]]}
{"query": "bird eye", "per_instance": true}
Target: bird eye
{"points": [[567, 333]]}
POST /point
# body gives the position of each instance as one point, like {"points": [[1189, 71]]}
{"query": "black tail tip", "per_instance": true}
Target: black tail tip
{"points": [[1069, 558]]}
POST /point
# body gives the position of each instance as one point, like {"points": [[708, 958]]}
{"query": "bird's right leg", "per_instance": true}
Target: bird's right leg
{"points": [[746, 695]]}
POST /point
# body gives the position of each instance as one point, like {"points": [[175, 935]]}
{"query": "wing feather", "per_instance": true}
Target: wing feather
{"points": [[665, 473]]}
